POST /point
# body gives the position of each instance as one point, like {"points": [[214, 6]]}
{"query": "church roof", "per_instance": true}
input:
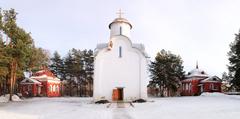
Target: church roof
{"points": [[101, 46], [120, 20], [139, 47], [197, 73]]}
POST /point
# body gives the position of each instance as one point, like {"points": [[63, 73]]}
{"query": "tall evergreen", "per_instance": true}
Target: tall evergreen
{"points": [[18, 47], [57, 65], [17, 51], [90, 69], [166, 71], [234, 60]]}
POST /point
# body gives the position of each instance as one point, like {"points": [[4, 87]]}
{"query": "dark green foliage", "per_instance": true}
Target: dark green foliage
{"points": [[17, 51], [76, 69], [57, 66], [166, 71], [234, 59]]}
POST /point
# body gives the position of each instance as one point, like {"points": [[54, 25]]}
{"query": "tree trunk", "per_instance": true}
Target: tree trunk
{"points": [[11, 81], [12, 77]]}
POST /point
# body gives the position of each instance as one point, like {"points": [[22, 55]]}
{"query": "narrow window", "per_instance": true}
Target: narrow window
{"points": [[120, 30], [120, 52]]}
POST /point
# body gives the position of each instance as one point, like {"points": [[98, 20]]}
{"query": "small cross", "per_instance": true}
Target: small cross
{"points": [[120, 13]]}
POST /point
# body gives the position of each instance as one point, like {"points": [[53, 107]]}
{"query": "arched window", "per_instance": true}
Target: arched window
{"points": [[54, 88], [57, 88], [211, 86], [120, 30], [50, 88], [120, 52]]}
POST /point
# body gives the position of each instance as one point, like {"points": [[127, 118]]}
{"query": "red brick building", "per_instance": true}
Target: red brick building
{"points": [[198, 81], [42, 83]]}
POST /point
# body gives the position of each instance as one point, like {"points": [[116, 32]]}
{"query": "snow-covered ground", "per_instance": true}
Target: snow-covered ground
{"points": [[5, 98], [207, 106]]}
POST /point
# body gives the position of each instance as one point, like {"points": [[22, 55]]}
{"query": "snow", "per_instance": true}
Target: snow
{"points": [[6, 98], [209, 106], [212, 94]]}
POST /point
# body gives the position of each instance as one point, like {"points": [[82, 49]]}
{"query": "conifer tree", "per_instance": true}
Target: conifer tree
{"points": [[18, 48], [234, 59], [166, 71], [57, 65]]}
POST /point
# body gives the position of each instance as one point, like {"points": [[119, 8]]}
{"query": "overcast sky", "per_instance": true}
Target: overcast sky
{"points": [[197, 30]]}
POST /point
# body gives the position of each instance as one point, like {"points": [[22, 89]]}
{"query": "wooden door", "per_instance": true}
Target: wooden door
{"points": [[117, 94]]}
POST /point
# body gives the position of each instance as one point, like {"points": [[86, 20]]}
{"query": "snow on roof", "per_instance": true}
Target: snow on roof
{"points": [[30, 80], [44, 75], [197, 73], [101, 46], [139, 47], [44, 72], [212, 79]]}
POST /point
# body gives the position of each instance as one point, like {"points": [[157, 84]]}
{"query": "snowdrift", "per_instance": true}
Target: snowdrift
{"points": [[6, 98], [212, 94]]}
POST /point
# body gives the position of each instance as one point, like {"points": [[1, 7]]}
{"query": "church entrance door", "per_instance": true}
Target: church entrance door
{"points": [[117, 94], [120, 93]]}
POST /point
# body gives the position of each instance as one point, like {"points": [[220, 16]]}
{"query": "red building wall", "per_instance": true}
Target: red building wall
{"points": [[29, 90], [212, 87], [193, 88], [51, 92]]}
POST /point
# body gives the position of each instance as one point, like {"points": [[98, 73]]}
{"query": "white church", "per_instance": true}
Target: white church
{"points": [[120, 66]]}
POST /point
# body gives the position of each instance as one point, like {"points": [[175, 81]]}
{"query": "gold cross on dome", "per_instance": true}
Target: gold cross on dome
{"points": [[120, 13]]}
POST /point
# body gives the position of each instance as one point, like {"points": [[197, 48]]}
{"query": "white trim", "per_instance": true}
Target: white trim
{"points": [[52, 81]]}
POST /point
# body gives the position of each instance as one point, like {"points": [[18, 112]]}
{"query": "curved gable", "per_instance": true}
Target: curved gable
{"points": [[125, 42]]}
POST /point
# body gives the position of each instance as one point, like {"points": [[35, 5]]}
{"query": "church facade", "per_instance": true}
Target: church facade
{"points": [[120, 66]]}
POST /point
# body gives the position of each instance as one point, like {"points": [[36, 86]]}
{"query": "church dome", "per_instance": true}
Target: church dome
{"points": [[120, 20], [197, 73]]}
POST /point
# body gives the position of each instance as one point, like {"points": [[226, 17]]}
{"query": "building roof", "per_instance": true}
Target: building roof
{"points": [[29, 81], [197, 73], [43, 75], [212, 79], [44, 72], [139, 47]]}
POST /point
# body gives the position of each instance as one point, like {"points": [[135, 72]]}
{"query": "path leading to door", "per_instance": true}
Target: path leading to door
{"points": [[121, 113]]}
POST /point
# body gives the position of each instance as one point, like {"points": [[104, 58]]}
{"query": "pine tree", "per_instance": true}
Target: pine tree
{"points": [[89, 70], [57, 65], [38, 58], [18, 49], [69, 72], [166, 71], [78, 70], [234, 59]]}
